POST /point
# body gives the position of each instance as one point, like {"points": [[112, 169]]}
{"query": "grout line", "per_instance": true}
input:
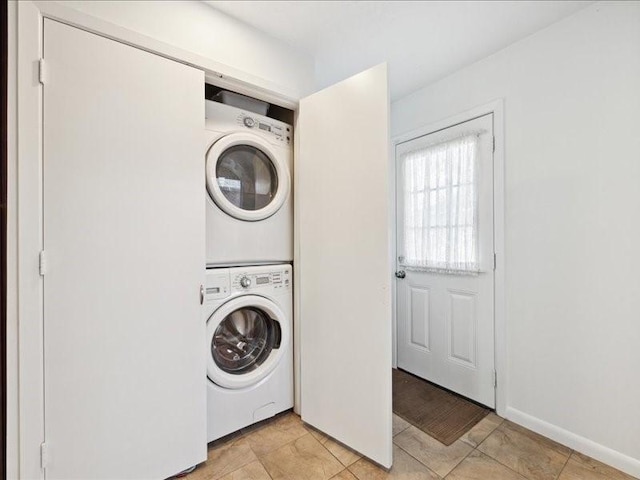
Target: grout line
{"points": [[495, 459], [265, 468], [492, 432], [330, 452], [245, 432], [458, 464], [488, 435], [405, 428], [565, 464], [505, 466], [352, 472], [510, 468], [346, 467], [426, 466]]}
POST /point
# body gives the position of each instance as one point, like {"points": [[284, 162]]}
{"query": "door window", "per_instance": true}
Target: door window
{"points": [[246, 176], [244, 340], [441, 207]]}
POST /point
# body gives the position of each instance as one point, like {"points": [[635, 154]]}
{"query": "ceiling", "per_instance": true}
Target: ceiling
{"points": [[421, 41]]}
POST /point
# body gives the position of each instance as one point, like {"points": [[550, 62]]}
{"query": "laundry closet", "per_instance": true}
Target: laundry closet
{"points": [[118, 199], [248, 291]]}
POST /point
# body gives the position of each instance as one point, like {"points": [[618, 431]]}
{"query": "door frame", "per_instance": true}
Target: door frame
{"points": [[496, 108], [25, 367]]}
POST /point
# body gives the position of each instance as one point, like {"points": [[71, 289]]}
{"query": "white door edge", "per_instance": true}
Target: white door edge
{"points": [[362, 423]]}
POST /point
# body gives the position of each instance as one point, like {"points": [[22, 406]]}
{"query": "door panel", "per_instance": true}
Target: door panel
{"points": [[419, 317], [461, 321], [125, 353], [453, 312], [344, 263]]}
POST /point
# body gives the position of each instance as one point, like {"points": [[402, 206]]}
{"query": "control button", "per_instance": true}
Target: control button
{"points": [[245, 282], [249, 122]]}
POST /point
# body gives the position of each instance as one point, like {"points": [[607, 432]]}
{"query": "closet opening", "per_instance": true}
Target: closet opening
{"points": [[221, 95]]}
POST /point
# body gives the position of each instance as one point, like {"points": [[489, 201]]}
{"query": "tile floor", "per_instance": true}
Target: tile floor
{"points": [[284, 448]]}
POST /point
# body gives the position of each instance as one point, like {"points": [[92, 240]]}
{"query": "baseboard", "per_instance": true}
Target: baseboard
{"points": [[576, 442]]}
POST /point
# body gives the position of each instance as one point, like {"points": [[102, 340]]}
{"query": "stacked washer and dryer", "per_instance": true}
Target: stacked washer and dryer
{"points": [[248, 293]]}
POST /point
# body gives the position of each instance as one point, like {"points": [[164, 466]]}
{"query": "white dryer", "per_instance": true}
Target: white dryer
{"points": [[250, 357], [248, 177]]}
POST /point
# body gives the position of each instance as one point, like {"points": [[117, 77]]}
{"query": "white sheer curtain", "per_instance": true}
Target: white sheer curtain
{"points": [[441, 207]]}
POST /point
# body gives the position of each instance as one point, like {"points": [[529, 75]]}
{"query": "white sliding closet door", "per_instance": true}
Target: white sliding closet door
{"points": [[344, 263], [123, 199]]}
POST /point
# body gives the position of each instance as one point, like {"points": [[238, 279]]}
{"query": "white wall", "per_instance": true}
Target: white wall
{"points": [[572, 114], [200, 29], [423, 42]]}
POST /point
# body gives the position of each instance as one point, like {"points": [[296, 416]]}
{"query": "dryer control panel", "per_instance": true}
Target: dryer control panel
{"points": [[280, 132], [226, 118]]}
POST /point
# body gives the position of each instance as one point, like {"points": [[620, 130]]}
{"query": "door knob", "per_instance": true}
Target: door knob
{"points": [[201, 294], [401, 274]]}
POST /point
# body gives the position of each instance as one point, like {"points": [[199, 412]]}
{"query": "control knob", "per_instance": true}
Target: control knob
{"points": [[245, 282], [249, 122]]}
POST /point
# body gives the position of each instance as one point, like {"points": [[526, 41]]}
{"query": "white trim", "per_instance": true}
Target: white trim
{"points": [[13, 414], [216, 73], [581, 444], [495, 107], [296, 275]]}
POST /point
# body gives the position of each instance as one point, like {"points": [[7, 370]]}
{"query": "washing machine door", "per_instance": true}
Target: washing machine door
{"points": [[248, 336], [245, 178]]}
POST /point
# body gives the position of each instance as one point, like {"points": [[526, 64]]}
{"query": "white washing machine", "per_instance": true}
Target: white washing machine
{"points": [[250, 354], [248, 176]]}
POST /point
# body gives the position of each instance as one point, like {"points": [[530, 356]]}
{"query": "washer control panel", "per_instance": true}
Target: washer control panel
{"points": [[217, 285], [274, 279]]}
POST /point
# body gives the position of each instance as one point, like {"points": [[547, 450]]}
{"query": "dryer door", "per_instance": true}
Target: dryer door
{"points": [[245, 178], [248, 337]]}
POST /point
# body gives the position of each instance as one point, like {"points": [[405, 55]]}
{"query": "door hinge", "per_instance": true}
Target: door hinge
{"points": [[42, 71], [495, 261], [42, 263], [494, 144], [495, 379], [44, 455]]}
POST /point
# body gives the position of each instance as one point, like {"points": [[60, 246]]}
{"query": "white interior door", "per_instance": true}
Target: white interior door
{"points": [[445, 250], [344, 263], [125, 353]]}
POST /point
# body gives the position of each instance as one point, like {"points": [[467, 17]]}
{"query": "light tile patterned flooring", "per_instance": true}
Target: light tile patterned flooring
{"points": [[284, 448]]}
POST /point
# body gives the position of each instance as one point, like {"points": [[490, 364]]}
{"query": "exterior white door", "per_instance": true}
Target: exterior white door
{"points": [[124, 340], [445, 264], [344, 263]]}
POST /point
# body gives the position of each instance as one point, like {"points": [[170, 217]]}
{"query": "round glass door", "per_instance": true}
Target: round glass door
{"points": [[245, 178], [244, 340], [248, 336]]}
